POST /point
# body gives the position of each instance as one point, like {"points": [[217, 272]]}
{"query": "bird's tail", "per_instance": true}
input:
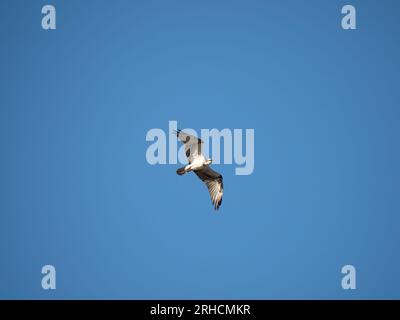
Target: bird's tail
{"points": [[181, 171]]}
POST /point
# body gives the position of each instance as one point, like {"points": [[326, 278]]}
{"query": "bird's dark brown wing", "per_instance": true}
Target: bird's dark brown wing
{"points": [[214, 183]]}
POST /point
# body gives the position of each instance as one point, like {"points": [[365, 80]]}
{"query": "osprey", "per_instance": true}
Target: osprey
{"points": [[200, 166]]}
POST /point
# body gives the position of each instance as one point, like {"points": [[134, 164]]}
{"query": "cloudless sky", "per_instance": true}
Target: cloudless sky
{"points": [[76, 191]]}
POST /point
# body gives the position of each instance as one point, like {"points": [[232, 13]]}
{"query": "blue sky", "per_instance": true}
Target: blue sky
{"points": [[76, 190]]}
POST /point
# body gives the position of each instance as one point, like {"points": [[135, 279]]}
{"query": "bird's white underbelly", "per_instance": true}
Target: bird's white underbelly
{"points": [[197, 163]]}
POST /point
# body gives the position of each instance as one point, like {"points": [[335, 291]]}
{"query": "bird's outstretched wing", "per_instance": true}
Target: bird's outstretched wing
{"points": [[214, 183], [193, 145]]}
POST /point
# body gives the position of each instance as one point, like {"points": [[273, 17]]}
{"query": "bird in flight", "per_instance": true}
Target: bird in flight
{"points": [[200, 166]]}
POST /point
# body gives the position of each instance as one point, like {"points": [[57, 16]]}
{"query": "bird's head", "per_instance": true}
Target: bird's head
{"points": [[209, 161]]}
